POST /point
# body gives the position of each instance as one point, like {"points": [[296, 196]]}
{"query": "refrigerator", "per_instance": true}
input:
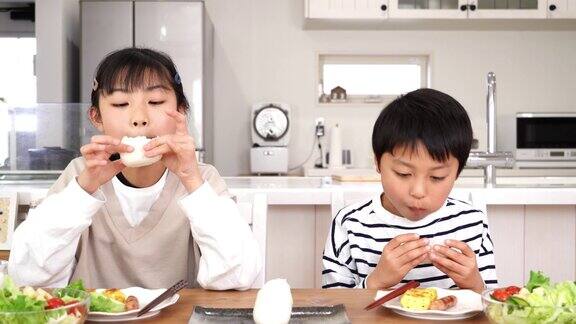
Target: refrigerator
{"points": [[179, 28]]}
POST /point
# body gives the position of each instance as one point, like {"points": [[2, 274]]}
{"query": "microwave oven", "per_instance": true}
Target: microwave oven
{"points": [[546, 137]]}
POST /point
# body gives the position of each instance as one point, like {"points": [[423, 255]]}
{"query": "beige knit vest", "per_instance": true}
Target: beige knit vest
{"points": [[155, 254]]}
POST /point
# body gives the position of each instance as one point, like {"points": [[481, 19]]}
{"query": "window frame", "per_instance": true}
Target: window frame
{"points": [[423, 60]]}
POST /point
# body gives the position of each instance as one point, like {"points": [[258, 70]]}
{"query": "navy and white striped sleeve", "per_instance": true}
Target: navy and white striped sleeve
{"points": [[338, 267], [485, 257]]}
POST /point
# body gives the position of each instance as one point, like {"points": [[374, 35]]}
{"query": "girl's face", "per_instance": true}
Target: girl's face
{"points": [[137, 113], [415, 185]]}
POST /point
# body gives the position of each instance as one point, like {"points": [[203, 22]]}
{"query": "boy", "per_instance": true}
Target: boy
{"points": [[413, 230]]}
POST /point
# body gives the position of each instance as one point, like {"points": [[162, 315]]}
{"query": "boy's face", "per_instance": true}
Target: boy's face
{"points": [[138, 113], [414, 184]]}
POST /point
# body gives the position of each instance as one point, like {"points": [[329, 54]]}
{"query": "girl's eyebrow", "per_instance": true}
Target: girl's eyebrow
{"points": [[158, 86], [150, 88]]}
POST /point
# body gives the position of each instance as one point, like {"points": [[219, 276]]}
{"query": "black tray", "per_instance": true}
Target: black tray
{"points": [[326, 314]]}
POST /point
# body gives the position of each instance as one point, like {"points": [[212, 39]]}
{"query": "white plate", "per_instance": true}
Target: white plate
{"points": [[126, 318], [469, 304], [144, 296]]}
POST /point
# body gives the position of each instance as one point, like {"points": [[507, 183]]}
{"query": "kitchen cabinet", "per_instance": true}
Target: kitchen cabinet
{"points": [[561, 9], [429, 9], [346, 9], [506, 9], [440, 9], [549, 241]]}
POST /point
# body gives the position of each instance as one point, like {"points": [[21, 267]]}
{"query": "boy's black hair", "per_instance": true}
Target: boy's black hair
{"points": [[136, 68], [428, 116]]}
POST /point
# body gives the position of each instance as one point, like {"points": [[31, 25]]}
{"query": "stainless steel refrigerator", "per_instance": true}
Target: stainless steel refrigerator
{"points": [[179, 28]]}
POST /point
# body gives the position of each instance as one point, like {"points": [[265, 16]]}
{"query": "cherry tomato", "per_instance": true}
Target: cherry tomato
{"points": [[504, 293], [513, 290], [54, 303]]}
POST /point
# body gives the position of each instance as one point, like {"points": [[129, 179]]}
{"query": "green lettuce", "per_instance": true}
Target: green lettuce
{"points": [[537, 279], [539, 302], [12, 300], [101, 303]]}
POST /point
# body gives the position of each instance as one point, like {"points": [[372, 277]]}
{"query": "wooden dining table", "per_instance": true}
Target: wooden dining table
{"points": [[354, 301]]}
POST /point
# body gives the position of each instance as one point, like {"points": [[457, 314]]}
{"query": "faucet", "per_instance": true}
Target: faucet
{"points": [[491, 112], [491, 159]]}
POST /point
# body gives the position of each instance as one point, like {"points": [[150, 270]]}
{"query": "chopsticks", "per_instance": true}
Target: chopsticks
{"points": [[393, 294], [165, 295]]}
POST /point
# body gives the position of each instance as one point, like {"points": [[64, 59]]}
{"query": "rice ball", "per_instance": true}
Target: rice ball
{"points": [[136, 158], [273, 303]]}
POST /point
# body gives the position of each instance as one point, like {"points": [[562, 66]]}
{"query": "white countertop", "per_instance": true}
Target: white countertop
{"points": [[306, 190], [319, 191]]}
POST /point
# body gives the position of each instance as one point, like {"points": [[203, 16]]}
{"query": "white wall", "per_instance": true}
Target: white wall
{"points": [[262, 53]]}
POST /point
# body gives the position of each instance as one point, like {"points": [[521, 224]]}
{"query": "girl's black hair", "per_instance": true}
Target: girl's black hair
{"points": [[136, 68], [428, 116]]}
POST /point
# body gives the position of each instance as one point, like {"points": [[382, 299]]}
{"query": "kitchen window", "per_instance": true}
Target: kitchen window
{"points": [[17, 79], [368, 79]]}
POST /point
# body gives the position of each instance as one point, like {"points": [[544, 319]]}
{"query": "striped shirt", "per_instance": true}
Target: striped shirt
{"points": [[360, 232]]}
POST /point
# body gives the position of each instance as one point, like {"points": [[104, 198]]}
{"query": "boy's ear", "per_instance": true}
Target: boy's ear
{"points": [[95, 118]]}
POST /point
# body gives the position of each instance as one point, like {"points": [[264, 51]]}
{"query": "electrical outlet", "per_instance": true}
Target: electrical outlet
{"points": [[320, 130]]}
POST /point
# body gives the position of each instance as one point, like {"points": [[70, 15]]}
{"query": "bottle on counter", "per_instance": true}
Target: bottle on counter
{"points": [[335, 159]]}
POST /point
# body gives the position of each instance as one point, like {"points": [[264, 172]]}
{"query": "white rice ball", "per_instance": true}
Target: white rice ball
{"points": [[136, 158], [273, 303]]}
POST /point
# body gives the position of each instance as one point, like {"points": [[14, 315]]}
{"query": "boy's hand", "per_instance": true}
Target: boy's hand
{"points": [[99, 169], [459, 266], [399, 256], [179, 154]]}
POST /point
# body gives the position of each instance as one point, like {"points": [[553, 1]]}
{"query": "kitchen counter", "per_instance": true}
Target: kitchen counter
{"points": [[551, 190], [529, 217]]}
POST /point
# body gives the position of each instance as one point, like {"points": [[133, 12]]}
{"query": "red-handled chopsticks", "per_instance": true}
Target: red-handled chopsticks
{"points": [[393, 294]]}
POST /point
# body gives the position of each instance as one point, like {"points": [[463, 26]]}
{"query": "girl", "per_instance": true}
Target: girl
{"points": [[150, 226]]}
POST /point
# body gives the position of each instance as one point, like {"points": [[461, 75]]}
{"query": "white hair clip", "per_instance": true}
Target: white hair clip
{"points": [[94, 85]]}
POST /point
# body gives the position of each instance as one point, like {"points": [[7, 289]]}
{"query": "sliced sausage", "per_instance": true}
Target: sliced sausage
{"points": [[131, 303], [443, 303]]}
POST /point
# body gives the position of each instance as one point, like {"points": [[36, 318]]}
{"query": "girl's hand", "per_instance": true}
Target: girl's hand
{"points": [[399, 256], [459, 266], [179, 152], [99, 169]]}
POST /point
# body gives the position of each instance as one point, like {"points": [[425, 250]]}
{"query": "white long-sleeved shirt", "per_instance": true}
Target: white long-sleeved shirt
{"points": [[136, 202], [44, 245]]}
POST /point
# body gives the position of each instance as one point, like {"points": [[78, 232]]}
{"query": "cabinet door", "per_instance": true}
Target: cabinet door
{"points": [[176, 28], [506, 9], [451, 9], [347, 9], [106, 26], [561, 8], [507, 232], [550, 238]]}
